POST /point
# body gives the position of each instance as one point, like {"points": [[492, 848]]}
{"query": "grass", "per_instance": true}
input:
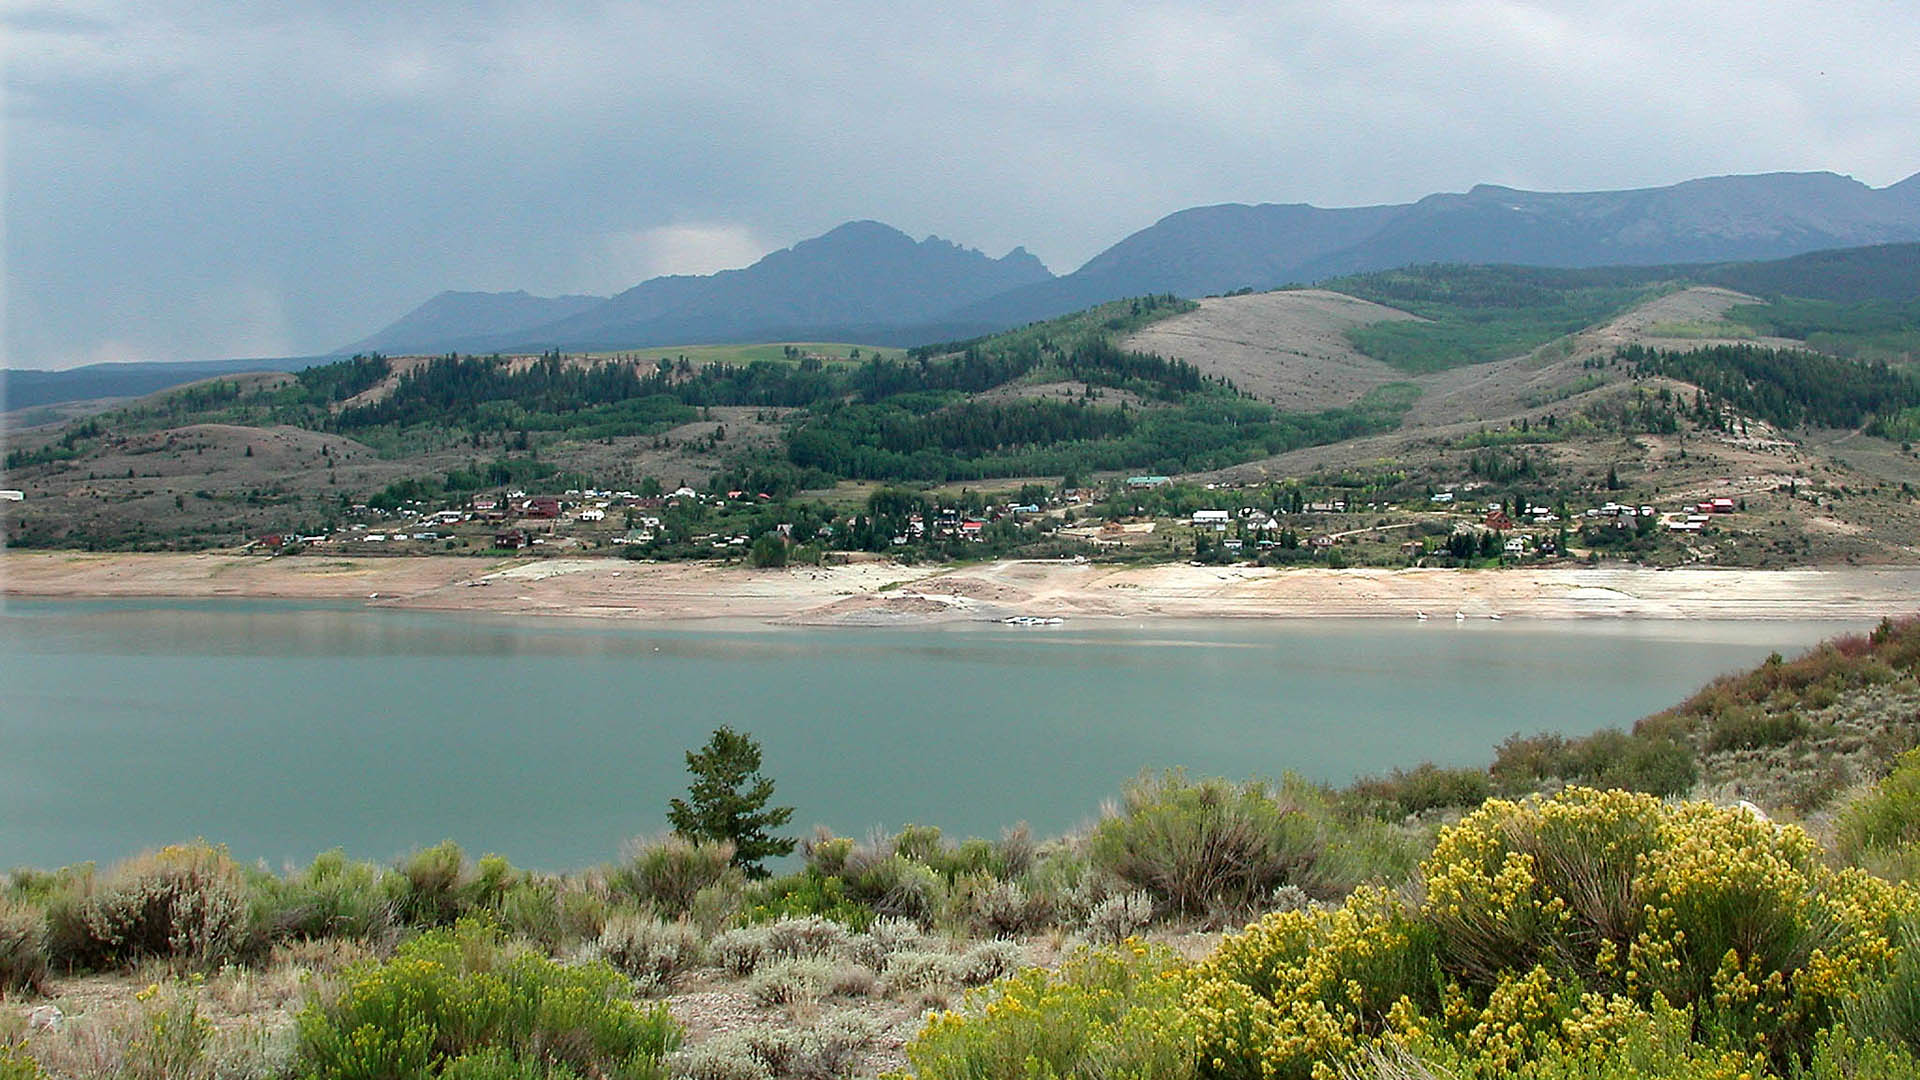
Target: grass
{"points": [[1477, 314]]}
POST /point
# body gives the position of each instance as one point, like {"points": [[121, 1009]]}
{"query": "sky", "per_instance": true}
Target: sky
{"points": [[200, 179]]}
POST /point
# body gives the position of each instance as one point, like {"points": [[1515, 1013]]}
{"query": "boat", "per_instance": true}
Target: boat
{"points": [[1459, 616], [1421, 615], [1495, 616], [1033, 620]]}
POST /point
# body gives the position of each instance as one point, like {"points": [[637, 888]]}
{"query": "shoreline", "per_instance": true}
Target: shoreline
{"points": [[880, 593]]}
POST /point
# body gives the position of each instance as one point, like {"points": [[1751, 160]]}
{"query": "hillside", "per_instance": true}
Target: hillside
{"points": [[1291, 349], [1539, 387]]}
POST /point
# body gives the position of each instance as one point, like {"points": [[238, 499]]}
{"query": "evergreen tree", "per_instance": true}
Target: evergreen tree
{"points": [[727, 801]]}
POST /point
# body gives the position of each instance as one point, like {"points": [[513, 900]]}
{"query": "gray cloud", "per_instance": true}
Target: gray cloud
{"points": [[203, 179]]}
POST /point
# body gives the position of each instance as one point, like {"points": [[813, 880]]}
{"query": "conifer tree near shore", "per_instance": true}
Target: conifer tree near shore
{"points": [[727, 801]]}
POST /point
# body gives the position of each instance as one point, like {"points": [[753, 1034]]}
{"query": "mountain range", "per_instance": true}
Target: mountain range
{"points": [[868, 282]]}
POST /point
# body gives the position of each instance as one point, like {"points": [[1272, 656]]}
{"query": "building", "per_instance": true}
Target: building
{"points": [[1139, 482], [1211, 519]]}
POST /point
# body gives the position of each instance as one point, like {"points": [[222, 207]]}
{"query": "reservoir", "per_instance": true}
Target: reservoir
{"points": [[285, 729]]}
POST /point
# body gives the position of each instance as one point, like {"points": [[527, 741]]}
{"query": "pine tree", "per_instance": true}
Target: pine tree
{"points": [[727, 801]]}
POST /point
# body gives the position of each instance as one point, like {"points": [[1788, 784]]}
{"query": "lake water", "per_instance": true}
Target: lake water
{"points": [[282, 729]]}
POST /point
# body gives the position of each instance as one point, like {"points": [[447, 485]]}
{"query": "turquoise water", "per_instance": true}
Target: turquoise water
{"points": [[284, 729]]}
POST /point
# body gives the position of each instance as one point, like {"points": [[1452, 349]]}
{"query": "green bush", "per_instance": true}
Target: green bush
{"points": [[1889, 1010], [1214, 847], [188, 904], [1425, 787], [668, 873], [1106, 1013], [1887, 820], [808, 892], [1751, 728], [1652, 760], [435, 884], [23, 946], [458, 1003], [333, 897]]}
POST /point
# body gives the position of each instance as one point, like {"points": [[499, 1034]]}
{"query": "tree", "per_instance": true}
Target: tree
{"points": [[727, 801], [769, 551]]}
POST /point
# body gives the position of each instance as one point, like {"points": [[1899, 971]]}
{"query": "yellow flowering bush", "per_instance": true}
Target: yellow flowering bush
{"points": [[1558, 926], [1112, 1012]]}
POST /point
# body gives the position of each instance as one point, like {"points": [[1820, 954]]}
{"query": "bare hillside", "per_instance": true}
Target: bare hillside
{"points": [[1288, 348]]}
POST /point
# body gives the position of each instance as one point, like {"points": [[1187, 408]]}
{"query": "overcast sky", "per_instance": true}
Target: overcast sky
{"points": [[197, 179]]}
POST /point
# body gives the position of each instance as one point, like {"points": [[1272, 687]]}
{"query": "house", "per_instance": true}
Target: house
{"points": [[1721, 506], [1441, 497], [1498, 521], [1321, 542], [593, 514], [542, 506], [1211, 519], [511, 539], [973, 530], [1138, 482], [1516, 546], [11, 495], [486, 503]]}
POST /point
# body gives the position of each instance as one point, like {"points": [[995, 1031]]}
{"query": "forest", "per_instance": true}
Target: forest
{"points": [[1785, 387]]}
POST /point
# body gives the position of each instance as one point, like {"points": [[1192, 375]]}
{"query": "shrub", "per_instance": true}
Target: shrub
{"points": [[1558, 923], [23, 946], [806, 893], [1652, 760], [1426, 787], [15, 1064], [806, 937], [455, 1002], [1197, 846], [1750, 728], [654, 952], [1118, 918], [791, 981], [887, 936], [891, 884], [671, 871], [1886, 820], [741, 951], [434, 882], [725, 1057], [333, 897], [186, 904], [984, 962], [1113, 1012], [1005, 908], [1889, 1010]]}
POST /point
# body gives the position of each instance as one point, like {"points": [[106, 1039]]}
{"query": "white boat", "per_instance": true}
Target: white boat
{"points": [[1421, 615], [1495, 616], [1459, 616], [1032, 620]]}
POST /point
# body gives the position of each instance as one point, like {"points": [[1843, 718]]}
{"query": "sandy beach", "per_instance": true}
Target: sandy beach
{"points": [[879, 592]]}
